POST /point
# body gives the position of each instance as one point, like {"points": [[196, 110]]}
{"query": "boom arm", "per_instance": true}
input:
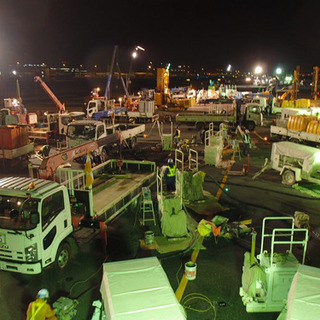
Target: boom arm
{"points": [[60, 106], [50, 164]]}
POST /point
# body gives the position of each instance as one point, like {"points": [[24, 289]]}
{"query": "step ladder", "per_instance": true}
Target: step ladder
{"points": [[146, 207], [236, 149]]}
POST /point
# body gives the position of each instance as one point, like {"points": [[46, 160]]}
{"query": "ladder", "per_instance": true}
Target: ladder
{"points": [[147, 207]]}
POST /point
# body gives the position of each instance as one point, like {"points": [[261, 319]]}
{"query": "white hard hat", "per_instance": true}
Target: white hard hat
{"points": [[43, 294], [170, 160]]}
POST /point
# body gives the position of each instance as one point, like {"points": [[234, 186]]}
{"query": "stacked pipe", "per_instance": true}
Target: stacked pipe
{"points": [[301, 122]]}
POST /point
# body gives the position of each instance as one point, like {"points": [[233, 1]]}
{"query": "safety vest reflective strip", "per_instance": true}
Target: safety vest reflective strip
{"points": [[246, 138], [34, 311], [172, 171], [178, 133]]}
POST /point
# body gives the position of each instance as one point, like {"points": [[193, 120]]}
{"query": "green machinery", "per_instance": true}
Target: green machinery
{"points": [[170, 205], [265, 284]]}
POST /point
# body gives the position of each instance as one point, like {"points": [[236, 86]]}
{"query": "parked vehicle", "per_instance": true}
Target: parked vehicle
{"points": [[251, 117], [83, 131], [38, 217], [298, 125], [296, 162]]}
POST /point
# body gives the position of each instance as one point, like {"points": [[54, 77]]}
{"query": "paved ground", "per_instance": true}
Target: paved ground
{"points": [[220, 262]]}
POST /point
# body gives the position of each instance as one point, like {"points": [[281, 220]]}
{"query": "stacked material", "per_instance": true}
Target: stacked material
{"points": [[300, 122]]}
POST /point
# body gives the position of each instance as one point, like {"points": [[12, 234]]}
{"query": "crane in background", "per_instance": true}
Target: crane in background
{"points": [[61, 106]]}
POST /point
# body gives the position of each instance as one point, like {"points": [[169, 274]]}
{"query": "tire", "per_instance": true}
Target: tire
{"points": [[288, 177], [63, 257], [133, 142], [250, 125], [104, 155], [200, 126]]}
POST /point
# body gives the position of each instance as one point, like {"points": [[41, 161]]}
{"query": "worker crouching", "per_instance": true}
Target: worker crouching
{"points": [[40, 309]]}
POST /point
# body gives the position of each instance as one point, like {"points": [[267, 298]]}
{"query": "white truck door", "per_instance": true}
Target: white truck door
{"points": [[55, 223]]}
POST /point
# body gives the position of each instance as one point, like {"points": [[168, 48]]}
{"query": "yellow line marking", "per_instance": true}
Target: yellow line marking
{"points": [[184, 281], [259, 136]]}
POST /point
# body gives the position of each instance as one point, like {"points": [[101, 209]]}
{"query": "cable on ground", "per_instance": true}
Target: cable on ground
{"points": [[198, 296]]}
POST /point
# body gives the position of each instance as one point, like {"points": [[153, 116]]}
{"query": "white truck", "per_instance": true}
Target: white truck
{"points": [[54, 125], [83, 131], [299, 131], [296, 162], [38, 217], [102, 108]]}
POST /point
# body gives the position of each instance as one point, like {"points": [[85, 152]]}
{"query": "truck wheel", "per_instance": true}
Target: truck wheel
{"points": [[250, 125], [133, 142], [104, 155], [200, 126], [63, 257], [288, 177]]}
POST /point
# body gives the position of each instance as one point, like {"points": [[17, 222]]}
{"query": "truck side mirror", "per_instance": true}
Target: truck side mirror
{"points": [[34, 218]]}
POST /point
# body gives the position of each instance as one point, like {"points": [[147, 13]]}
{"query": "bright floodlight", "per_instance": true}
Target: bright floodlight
{"points": [[140, 48], [134, 54], [258, 70], [278, 71], [229, 68]]}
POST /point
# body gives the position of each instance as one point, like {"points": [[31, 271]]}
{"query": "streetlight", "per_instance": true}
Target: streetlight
{"points": [[258, 70], [134, 55], [278, 71]]}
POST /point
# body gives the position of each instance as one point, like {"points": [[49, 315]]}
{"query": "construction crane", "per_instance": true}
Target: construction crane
{"points": [[60, 105], [107, 92]]}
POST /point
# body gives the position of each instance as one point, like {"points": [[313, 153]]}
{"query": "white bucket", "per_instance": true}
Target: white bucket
{"points": [[149, 238], [190, 270]]}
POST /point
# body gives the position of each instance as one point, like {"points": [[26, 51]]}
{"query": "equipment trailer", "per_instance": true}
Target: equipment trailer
{"points": [[38, 217]]}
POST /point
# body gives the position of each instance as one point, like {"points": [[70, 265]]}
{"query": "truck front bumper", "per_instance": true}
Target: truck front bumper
{"points": [[24, 268]]}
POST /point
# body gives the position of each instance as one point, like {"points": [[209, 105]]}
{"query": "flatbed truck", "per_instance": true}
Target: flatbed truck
{"points": [[38, 217], [251, 118], [84, 131]]}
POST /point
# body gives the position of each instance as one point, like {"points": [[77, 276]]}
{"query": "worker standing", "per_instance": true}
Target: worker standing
{"points": [[246, 143], [176, 136], [170, 176], [40, 309]]}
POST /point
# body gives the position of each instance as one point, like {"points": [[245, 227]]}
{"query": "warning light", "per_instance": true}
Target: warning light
{"points": [[226, 189], [265, 138]]}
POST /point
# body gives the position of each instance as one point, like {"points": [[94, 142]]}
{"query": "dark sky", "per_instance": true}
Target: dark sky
{"points": [[204, 33]]}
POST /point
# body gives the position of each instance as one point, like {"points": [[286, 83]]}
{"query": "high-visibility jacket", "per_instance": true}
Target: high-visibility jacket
{"points": [[247, 138], [178, 132], [40, 310], [171, 171]]}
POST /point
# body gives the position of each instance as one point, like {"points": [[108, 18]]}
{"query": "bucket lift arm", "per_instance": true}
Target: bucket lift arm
{"points": [[60, 106]]}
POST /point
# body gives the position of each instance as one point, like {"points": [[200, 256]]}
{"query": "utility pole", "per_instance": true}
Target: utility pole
{"points": [[316, 79]]}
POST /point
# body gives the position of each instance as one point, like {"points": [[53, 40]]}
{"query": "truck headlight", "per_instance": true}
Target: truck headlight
{"points": [[32, 253]]}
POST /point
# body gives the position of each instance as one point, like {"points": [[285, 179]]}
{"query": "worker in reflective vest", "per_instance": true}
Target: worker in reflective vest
{"points": [[246, 143], [170, 176], [177, 136], [40, 309]]}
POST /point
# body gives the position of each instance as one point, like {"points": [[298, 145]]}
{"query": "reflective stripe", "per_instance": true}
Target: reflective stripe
{"points": [[172, 171]]}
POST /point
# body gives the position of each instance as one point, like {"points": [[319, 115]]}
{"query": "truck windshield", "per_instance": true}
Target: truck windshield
{"points": [[81, 131], [15, 213]]}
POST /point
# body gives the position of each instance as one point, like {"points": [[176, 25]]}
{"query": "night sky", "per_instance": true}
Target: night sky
{"points": [[208, 33]]}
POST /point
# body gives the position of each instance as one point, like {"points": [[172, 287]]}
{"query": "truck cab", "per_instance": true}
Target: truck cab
{"points": [[82, 131], [35, 221]]}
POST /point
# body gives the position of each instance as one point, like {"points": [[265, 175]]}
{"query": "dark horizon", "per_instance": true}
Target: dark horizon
{"points": [[205, 34]]}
